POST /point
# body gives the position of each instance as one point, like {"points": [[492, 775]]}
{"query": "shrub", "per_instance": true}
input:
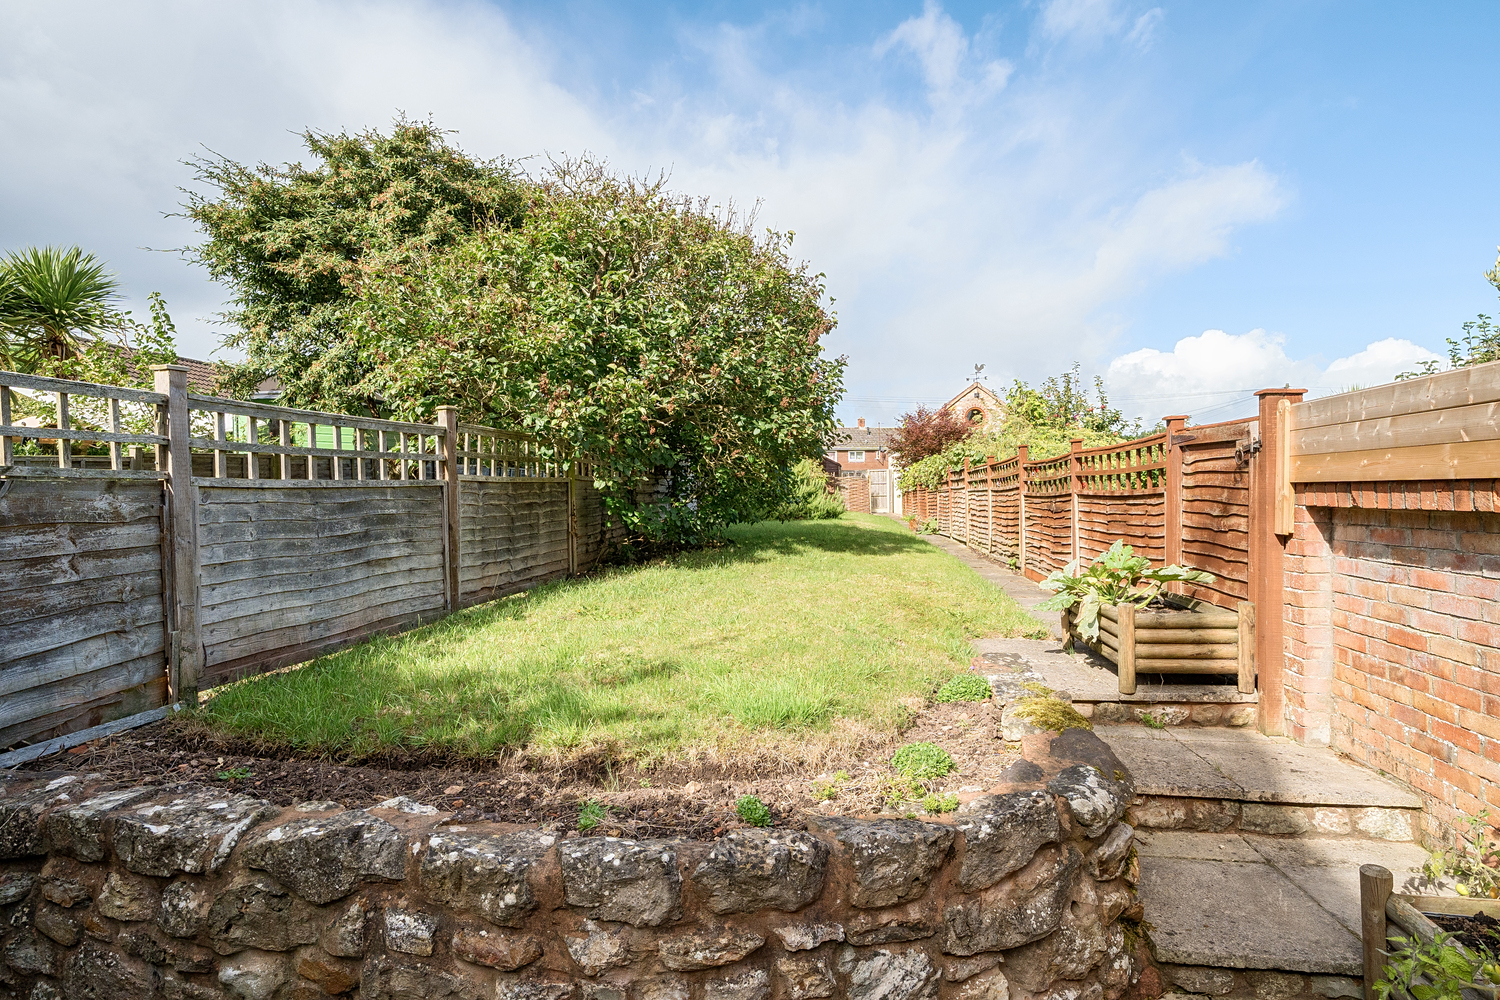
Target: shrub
{"points": [[922, 760], [811, 498], [1473, 863], [753, 811], [965, 687]]}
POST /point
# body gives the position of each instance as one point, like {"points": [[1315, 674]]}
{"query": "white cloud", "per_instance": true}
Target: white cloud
{"points": [[1212, 376], [1002, 222], [1091, 21], [942, 48]]}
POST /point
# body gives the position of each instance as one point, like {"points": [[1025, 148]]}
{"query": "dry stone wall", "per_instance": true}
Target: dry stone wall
{"points": [[194, 893]]}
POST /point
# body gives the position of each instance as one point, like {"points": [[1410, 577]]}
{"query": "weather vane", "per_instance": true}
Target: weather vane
{"points": [[978, 375]]}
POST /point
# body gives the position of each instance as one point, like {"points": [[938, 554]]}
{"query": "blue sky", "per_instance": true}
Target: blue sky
{"points": [[1193, 200]]}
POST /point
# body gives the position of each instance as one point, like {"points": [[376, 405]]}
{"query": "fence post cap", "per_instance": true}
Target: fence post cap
{"points": [[1288, 391], [169, 368]]}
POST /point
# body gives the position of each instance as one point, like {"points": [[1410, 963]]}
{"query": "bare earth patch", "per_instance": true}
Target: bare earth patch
{"points": [[676, 800]]}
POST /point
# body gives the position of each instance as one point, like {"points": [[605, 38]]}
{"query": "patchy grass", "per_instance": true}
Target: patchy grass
{"points": [[794, 639]]}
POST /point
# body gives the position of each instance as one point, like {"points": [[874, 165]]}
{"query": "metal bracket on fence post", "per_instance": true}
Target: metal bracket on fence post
{"points": [[186, 667], [448, 421]]}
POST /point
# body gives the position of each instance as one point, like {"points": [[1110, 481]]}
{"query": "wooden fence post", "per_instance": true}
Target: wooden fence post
{"points": [[1172, 492], [1021, 450], [448, 421], [1266, 568], [1075, 485], [185, 634], [572, 517], [1375, 884]]}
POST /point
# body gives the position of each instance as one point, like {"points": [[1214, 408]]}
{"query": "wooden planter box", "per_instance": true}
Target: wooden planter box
{"points": [[1198, 639], [1385, 915]]}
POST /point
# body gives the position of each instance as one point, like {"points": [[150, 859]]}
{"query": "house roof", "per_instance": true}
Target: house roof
{"points": [[202, 377], [867, 438], [976, 392]]}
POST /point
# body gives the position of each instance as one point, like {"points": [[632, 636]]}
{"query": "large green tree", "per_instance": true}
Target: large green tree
{"points": [[645, 331], [295, 244], [51, 300]]}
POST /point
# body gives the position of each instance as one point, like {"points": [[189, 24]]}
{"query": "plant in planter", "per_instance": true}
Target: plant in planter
{"points": [[1178, 635], [1119, 576]]}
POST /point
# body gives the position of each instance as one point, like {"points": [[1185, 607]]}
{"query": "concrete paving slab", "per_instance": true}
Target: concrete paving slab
{"points": [[1168, 767], [1088, 678], [1288, 772], [1241, 916], [1336, 852], [1199, 846], [1111, 731], [1224, 734]]}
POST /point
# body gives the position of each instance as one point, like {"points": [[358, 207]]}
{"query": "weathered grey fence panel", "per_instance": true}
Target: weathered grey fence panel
{"points": [[513, 534], [291, 571], [82, 622]]}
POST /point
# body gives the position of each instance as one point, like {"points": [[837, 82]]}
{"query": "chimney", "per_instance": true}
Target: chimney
{"points": [[861, 421]]}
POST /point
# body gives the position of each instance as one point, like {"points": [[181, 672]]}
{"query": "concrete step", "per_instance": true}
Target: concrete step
{"points": [[1094, 688], [1220, 780], [1223, 907]]}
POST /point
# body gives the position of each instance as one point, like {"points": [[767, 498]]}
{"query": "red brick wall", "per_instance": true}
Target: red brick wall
{"points": [[1392, 642]]}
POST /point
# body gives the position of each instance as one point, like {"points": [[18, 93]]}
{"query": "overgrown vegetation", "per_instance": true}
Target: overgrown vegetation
{"points": [[796, 641], [752, 810], [925, 432], [656, 334], [922, 761], [296, 244], [591, 813], [812, 497], [1119, 576], [1473, 862], [1434, 970], [965, 687], [1045, 418]]}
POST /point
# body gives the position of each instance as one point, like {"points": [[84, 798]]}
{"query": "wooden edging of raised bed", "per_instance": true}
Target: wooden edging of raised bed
{"points": [[1199, 639], [1379, 907]]}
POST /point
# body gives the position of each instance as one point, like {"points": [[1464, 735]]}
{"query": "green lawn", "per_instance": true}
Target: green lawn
{"points": [[796, 636]]}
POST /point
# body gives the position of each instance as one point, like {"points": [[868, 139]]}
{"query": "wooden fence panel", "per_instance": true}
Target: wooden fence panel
{"points": [[513, 534], [1139, 519], [1216, 510], [1049, 533], [83, 632], [1007, 524], [291, 571]]}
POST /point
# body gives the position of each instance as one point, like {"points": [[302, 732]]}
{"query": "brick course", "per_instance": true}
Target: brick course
{"points": [[1392, 637]]}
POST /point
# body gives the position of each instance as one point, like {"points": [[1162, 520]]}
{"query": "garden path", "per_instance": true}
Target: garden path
{"points": [[1249, 845]]}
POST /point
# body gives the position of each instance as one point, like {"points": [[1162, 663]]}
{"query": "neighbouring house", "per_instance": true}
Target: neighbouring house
{"points": [[977, 405], [863, 460]]}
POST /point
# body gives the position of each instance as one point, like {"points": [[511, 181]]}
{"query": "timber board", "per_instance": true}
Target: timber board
{"points": [[81, 657]]}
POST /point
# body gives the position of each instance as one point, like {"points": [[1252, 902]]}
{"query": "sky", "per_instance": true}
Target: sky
{"points": [[1192, 201]]}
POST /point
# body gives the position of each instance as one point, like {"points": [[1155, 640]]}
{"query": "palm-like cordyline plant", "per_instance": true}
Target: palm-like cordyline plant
{"points": [[49, 296]]}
